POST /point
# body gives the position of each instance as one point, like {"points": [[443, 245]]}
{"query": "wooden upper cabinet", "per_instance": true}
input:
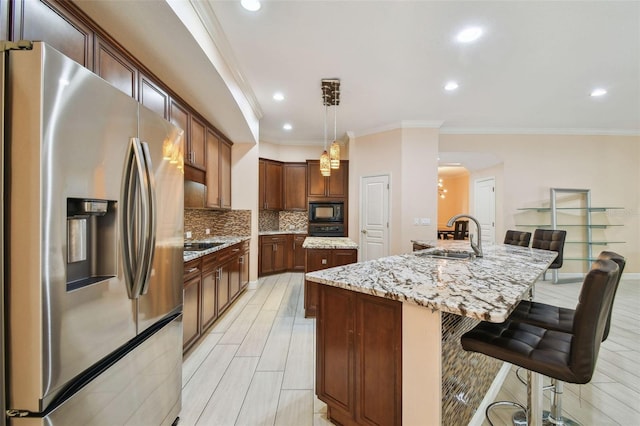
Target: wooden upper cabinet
{"points": [[197, 144], [225, 175], [115, 68], [153, 97], [270, 185], [295, 186], [41, 20], [213, 170], [334, 186]]}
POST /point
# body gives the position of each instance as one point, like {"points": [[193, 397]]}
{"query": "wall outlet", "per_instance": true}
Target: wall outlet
{"points": [[187, 234], [292, 227], [425, 221], [207, 231], [416, 221]]}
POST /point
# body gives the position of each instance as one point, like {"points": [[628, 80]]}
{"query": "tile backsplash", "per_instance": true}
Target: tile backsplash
{"points": [[282, 221], [219, 222]]}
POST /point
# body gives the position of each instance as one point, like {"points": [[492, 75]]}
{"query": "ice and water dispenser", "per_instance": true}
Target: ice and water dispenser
{"points": [[91, 241]]}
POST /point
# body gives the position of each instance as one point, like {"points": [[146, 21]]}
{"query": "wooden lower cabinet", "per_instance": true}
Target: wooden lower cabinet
{"points": [[211, 284], [359, 357], [317, 259], [191, 303], [273, 254], [297, 257]]}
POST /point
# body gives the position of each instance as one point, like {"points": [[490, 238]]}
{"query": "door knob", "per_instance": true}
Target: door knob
{"points": [[364, 231]]}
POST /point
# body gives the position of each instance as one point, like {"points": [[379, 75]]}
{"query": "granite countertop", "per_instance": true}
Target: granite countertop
{"points": [[293, 231], [227, 241], [485, 288], [329, 243]]}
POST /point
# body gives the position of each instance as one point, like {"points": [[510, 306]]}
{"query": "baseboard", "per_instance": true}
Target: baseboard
{"points": [[490, 396], [252, 285]]}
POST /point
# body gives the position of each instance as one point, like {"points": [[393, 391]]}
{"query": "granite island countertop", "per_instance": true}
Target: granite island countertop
{"points": [[329, 243], [226, 240], [485, 288]]}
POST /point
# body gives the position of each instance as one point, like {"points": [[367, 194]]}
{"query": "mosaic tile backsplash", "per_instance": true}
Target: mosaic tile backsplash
{"points": [[220, 222], [282, 221]]}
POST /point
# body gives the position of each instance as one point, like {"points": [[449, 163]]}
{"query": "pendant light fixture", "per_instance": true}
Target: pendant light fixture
{"points": [[330, 96], [334, 151]]}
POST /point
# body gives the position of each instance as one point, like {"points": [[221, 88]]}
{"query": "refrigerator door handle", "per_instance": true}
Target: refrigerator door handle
{"points": [[150, 237], [134, 223]]}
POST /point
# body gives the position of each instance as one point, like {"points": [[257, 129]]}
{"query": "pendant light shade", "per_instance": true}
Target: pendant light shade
{"points": [[334, 155], [325, 164]]}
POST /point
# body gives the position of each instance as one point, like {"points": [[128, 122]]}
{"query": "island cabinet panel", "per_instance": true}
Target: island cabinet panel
{"points": [[359, 357], [317, 259]]}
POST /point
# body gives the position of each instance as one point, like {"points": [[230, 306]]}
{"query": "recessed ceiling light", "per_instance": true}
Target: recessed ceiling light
{"points": [[469, 34], [598, 92], [278, 96], [251, 5], [452, 85], [287, 126]]}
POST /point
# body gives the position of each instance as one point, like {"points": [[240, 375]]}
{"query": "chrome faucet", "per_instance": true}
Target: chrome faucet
{"points": [[477, 249]]}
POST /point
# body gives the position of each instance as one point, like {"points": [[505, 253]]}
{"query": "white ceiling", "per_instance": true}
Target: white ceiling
{"points": [[531, 71]]}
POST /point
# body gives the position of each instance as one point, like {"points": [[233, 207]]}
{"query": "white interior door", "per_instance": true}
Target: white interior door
{"points": [[374, 217], [485, 208]]}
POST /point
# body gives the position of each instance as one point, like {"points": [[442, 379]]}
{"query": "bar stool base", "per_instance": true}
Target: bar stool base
{"points": [[519, 418]]}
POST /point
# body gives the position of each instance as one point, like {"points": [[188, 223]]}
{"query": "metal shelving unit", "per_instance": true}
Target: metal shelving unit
{"points": [[586, 209]]}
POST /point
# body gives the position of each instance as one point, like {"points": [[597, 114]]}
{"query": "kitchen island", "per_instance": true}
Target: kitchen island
{"points": [[388, 332], [322, 253]]}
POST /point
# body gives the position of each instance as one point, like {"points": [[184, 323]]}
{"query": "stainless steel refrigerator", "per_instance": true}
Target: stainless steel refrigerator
{"points": [[93, 215]]}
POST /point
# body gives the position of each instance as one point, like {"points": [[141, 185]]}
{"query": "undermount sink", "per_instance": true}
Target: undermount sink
{"points": [[447, 254], [200, 246]]}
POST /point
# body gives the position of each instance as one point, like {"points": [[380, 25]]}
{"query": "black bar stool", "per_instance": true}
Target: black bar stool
{"points": [[550, 239], [561, 319], [517, 238], [569, 357]]}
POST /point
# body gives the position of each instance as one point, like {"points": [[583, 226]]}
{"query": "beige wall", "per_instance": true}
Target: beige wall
{"points": [[532, 164], [409, 157], [244, 193]]}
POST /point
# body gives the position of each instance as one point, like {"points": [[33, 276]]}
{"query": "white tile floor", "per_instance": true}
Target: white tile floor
{"points": [[256, 364]]}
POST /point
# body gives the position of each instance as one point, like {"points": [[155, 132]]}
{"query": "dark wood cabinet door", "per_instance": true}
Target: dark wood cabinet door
{"points": [[179, 116], [280, 256], [213, 169], [266, 256], [335, 328], [197, 143], [295, 186], [298, 253], [191, 312], [244, 269], [153, 97], [273, 186], [262, 183], [223, 288], [378, 375], [344, 257], [315, 260], [315, 181], [234, 277], [225, 175], [43, 20], [337, 183], [115, 68], [208, 298]]}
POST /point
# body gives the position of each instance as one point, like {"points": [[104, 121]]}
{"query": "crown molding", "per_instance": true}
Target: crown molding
{"points": [[211, 24], [405, 124], [536, 131]]}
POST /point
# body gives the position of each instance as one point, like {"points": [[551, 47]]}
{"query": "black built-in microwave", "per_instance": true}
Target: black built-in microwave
{"points": [[326, 211]]}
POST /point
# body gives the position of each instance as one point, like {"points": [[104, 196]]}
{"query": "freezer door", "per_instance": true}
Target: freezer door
{"points": [[162, 293], [69, 132]]}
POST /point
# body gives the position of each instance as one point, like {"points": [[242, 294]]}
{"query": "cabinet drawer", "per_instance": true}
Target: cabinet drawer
{"points": [[192, 269], [209, 261], [273, 238]]}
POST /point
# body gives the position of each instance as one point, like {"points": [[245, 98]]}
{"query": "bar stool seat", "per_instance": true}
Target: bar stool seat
{"points": [[564, 356]]}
